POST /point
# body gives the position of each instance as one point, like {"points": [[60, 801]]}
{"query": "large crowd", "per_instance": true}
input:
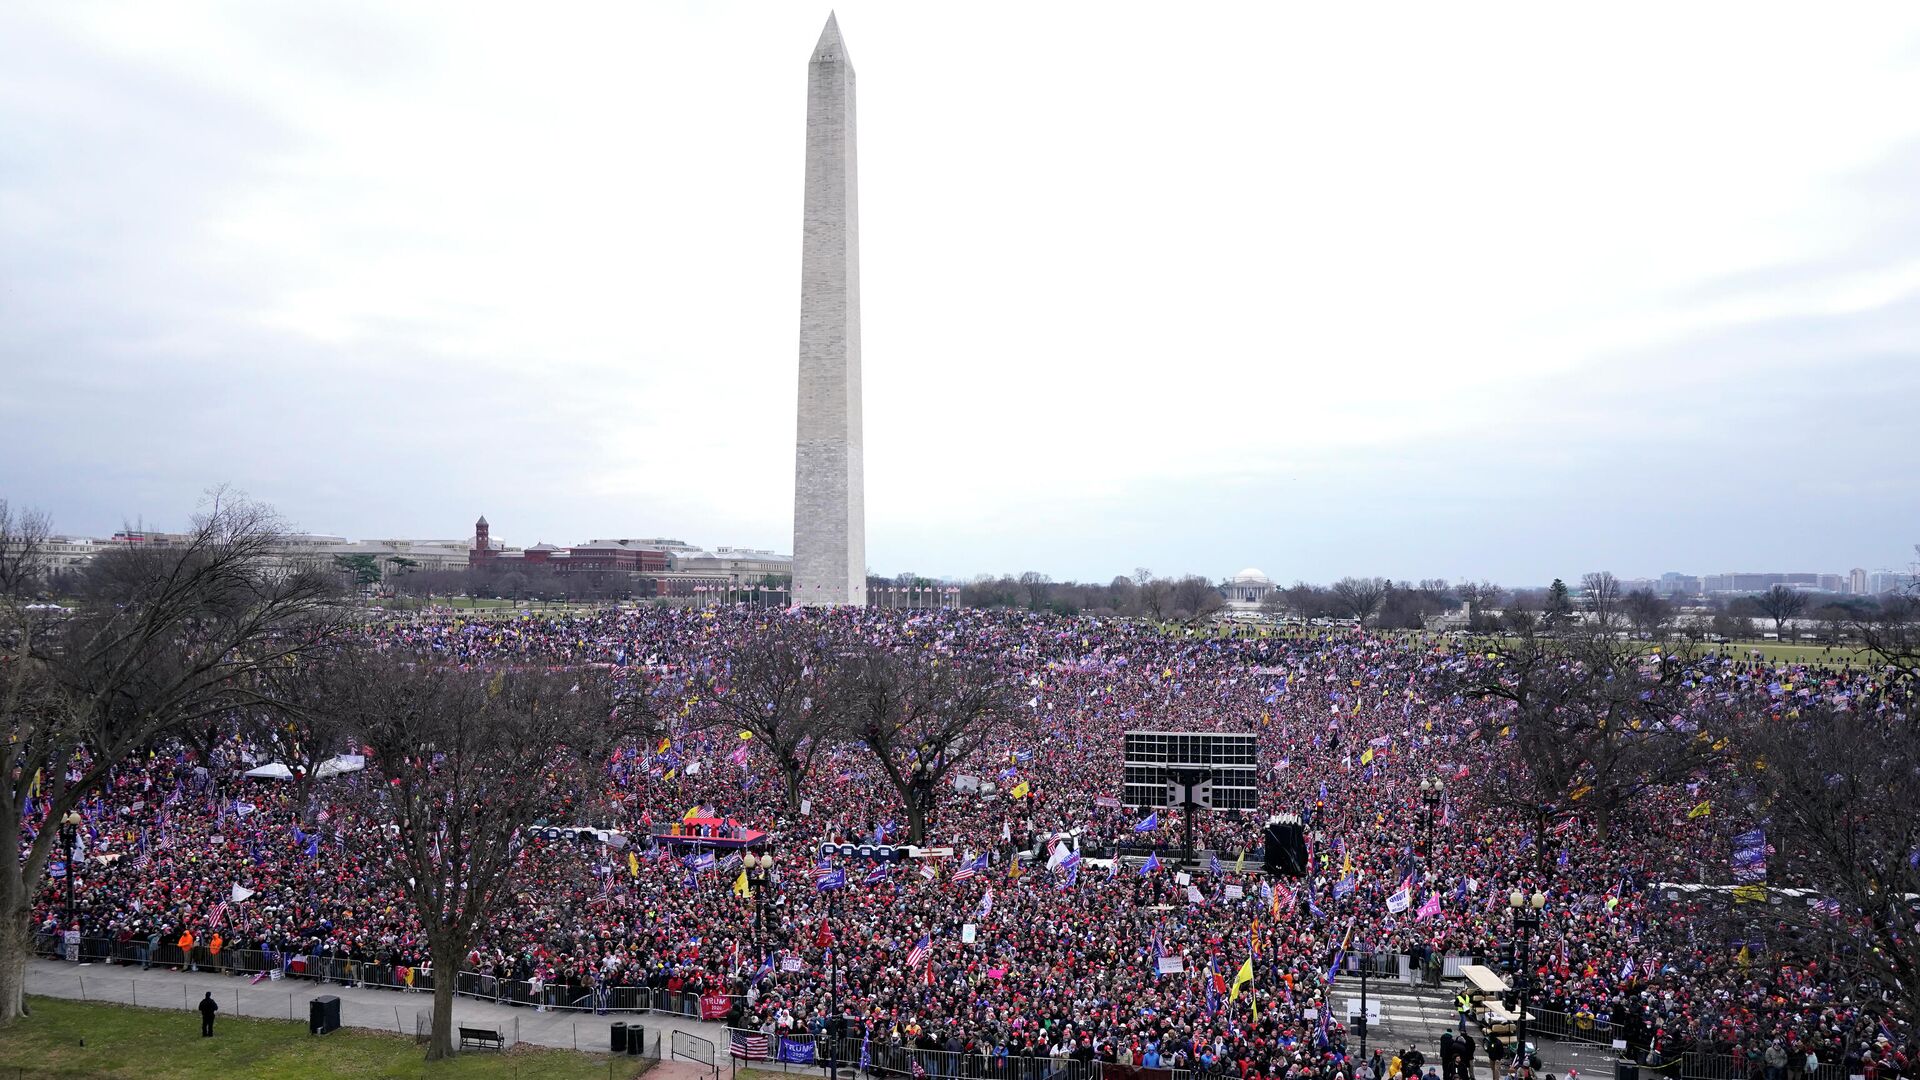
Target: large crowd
{"points": [[1019, 958]]}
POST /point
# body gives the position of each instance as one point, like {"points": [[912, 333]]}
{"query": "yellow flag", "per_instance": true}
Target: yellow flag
{"points": [[692, 812], [745, 735], [740, 887], [1346, 865], [665, 745], [1243, 977], [669, 775], [1580, 792], [1749, 894], [1240, 864], [1020, 790], [1366, 756], [1744, 957], [633, 864], [1705, 808]]}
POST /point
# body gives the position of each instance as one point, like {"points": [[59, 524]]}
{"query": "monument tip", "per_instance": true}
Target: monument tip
{"points": [[830, 46]]}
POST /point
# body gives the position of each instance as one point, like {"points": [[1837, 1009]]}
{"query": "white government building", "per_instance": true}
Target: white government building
{"points": [[1247, 589]]}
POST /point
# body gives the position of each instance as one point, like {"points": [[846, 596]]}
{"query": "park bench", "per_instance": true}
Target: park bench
{"points": [[485, 1037]]}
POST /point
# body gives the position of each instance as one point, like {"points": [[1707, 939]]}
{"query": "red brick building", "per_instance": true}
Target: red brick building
{"points": [[605, 556]]}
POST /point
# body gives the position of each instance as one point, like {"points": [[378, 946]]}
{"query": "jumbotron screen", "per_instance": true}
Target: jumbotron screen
{"points": [[1231, 758]]}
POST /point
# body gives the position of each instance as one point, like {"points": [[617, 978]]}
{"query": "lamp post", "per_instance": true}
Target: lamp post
{"points": [[69, 840], [1431, 791], [1365, 959], [1526, 919]]}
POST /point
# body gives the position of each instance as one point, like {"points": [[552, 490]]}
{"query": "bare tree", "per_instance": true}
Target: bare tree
{"points": [[305, 730], [1893, 633], [1600, 591], [1195, 599], [1309, 602], [1647, 613], [1156, 598], [1834, 791], [1358, 598], [1481, 598], [780, 685], [1780, 603], [462, 762], [163, 638], [920, 714], [1591, 721]]}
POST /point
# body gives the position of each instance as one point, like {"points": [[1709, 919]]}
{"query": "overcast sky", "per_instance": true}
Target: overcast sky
{"points": [[1418, 290]]}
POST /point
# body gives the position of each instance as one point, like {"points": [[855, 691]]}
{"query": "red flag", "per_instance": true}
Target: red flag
{"points": [[823, 939]]}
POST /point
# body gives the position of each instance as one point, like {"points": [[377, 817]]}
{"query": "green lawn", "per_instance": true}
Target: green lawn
{"points": [[155, 1044]]}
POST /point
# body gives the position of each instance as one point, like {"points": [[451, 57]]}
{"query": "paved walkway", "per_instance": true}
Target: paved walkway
{"points": [[1409, 1015], [361, 1007]]}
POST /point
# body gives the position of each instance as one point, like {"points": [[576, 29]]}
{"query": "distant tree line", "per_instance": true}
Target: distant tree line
{"points": [[1383, 603]]}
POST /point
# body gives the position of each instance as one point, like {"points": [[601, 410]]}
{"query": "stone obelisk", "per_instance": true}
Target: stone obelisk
{"points": [[829, 501]]}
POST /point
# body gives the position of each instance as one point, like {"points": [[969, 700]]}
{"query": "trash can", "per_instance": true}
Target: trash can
{"points": [[323, 1014], [619, 1038], [636, 1040], [1625, 1070]]}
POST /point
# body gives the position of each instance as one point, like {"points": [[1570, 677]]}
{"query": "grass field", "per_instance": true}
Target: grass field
{"points": [[155, 1044]]}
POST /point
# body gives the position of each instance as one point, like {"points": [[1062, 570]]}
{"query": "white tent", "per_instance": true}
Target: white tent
{"points": [[341, 763], [333, 766]]}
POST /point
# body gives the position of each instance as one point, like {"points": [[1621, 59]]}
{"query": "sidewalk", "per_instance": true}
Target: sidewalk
{"points": [[360, 1007]]}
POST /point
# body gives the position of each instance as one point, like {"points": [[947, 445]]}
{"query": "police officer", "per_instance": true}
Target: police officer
{"points": [[1463, 1008], [208, 1007]]}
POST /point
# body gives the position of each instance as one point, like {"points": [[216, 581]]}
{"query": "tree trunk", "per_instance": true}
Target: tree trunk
{"points": [[16, 945], [790, 772], [916, 815], [446, 976]]}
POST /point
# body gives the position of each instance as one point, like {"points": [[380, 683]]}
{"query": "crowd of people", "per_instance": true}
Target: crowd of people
{"points": [[1030, 939]]}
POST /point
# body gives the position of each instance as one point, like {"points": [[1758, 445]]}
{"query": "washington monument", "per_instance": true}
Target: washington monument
{"points": [[829, 501]]}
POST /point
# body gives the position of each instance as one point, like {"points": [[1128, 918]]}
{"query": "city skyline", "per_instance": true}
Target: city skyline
{"points": [[1318, 298], [1908, 568]]}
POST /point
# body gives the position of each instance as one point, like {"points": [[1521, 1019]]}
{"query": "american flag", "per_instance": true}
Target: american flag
{"points": [[216, 913], [972, 868], [919, 1071], [878, 874], [1650, 966], [918, 954], [731, 862], [750, 1045], [821, 871], [1828, 907], [1563, 827]]}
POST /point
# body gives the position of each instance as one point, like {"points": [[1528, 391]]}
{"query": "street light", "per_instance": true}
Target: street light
{"points": [[1526, 919], [1431, 792], [69, 840]]}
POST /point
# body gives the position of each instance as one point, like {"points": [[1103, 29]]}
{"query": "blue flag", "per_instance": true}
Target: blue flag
{"points": [[1151, 823], [796, 1051], [835, 880], [1148, 867]]}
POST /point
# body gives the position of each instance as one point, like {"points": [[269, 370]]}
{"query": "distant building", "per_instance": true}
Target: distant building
{"points": [[671, 568], [1757, 583], [1833, 583], [605, 556], [1684, 584], [1247, 589], [1857, 581], [1881, 582]]}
